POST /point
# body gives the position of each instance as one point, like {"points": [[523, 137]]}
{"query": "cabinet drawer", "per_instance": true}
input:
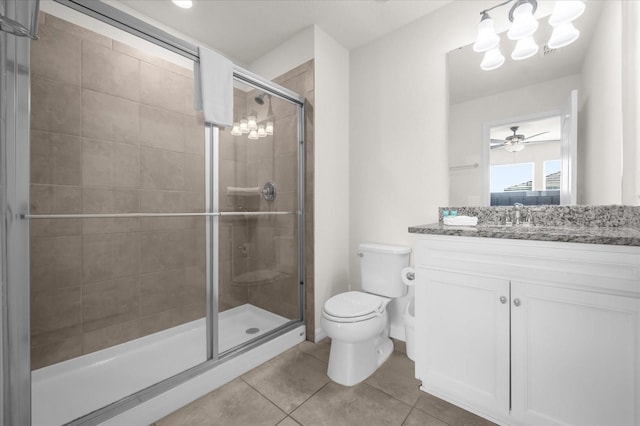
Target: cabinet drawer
{"points": [[599, 268]]}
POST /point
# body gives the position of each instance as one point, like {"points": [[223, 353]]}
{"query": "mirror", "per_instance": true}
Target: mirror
{"points": [[484, 105]]}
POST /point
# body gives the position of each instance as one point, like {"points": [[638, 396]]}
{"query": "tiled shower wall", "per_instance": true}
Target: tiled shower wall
{"points": [[113, 130]]}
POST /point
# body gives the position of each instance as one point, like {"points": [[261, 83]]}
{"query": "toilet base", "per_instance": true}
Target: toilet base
{"points": [[351, 363]]}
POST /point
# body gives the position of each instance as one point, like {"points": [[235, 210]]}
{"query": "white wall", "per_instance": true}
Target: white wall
{"points": [[601, 140], [332, 202], [398, 132], [331, 164], [290, 54], [465, 129]]}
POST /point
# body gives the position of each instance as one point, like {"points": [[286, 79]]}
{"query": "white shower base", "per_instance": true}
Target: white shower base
{"points": [[73, 388]]}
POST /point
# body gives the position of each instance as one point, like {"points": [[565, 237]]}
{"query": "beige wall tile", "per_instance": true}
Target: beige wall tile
{"points": [[110, 72], [55, 262], [55, 309], [55, 346], [160, 169], [161, 129], [105, 200], [163, 320], [76, 31], [194, 247], [161, 201], [126, 166], [54, 227], [161, 291], [112, 335], [109, 117], [194, 173], [56, 158], [165, 89], [194, 134], [56, 55], [40, 150], [58, 106], [194, 202], [161, 251], [195, 286], [110, 226], [55, 199], [110, 302], [151, 59], [109, 256], [97, 162]]}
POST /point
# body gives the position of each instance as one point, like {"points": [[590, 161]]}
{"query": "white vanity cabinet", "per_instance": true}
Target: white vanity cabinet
{"points": [[530, 332]]}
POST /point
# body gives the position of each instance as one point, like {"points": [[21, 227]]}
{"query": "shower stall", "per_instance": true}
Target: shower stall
{"points": [[159, 247]]}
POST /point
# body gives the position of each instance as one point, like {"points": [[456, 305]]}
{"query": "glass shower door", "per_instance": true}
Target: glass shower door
{"points": [[258, 282], [117, 232]]}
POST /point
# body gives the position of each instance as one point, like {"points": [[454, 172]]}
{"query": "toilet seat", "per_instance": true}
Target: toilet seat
{"points": [[353, 306]]}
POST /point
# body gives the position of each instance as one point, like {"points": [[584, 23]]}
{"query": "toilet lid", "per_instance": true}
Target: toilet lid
{"points": [[353, 304]]}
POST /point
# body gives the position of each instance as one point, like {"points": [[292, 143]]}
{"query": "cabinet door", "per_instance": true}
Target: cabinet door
{"points": [[575, 357], [462, 327]]}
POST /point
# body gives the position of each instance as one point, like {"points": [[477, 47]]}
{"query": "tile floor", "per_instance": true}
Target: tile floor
{"points": [[293, 389]]}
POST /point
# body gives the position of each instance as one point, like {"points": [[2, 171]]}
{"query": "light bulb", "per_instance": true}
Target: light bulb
{"points": [[253, 135], [492, 59], [235, 131], [252, 123], [525, 48], [487, 38], [269, 128], [184, 4], [515, 147], [524, 24], [563, 35], [566, 11], [244, 127], [262, 133]]}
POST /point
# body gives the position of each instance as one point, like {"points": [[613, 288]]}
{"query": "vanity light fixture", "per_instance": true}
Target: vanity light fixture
{"points": [[523, 26], [183, 4]]}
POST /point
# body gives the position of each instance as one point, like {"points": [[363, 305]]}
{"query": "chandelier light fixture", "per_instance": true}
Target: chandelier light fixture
{"points": [[523, 27], [250, 126]]}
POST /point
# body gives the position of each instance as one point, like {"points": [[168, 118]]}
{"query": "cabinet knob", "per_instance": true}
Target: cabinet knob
{"points": [[503, 299], [516, 302]]}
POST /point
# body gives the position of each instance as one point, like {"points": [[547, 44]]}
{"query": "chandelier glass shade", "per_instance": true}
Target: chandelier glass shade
{"points": [[250, 126], [492, 59]]}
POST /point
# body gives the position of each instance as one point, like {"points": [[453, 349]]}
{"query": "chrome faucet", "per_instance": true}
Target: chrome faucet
{"points": [[516, 213]]}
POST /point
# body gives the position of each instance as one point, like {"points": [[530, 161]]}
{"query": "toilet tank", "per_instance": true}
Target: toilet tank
{"points": [[380, 267]]}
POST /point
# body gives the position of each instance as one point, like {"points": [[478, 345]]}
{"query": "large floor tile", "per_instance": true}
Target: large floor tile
{"points": [[235, 403], [418, 418], [396, 377], [318, 350], [362, 404], [449, 413], [288, 422], [289, 379]]}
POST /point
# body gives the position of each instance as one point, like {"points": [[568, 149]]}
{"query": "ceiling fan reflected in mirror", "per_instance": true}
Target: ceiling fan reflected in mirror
{"points": [[516, 142]]}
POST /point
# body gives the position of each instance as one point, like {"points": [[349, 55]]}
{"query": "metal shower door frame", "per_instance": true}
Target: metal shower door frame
{"points": [[15, 376]]}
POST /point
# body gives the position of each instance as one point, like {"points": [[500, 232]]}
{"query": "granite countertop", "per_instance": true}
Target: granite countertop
{"points": [[613, 225], [572, 234]]}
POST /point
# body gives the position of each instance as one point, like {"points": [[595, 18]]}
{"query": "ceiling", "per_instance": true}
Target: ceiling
{"points": [[244, 30]]}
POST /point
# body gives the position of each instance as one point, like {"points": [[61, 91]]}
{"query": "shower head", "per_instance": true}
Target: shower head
{"points": [[260, 99]]}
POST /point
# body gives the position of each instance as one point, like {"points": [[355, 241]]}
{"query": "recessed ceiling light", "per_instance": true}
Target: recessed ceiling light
{"points": [[185, 4]]}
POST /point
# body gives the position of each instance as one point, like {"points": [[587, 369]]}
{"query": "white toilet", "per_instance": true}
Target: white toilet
{"points": [[357, 322]]}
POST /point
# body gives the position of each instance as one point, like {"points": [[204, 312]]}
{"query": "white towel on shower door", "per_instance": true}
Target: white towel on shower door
{"points": [[213, 93]]}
